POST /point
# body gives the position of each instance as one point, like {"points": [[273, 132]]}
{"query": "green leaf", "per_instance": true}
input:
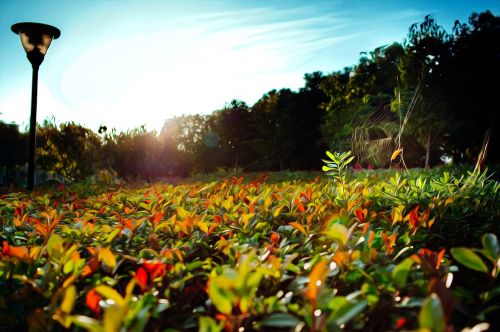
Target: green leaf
{"points": [[112, 235], [469, 258], [491, 247], [208, 324], [87, 323], [55, 246], [401, 271], [431, 315], [348, 312], [281, 320], [219, 293]]}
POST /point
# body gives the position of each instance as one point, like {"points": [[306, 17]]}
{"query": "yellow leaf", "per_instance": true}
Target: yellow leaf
{"points": [[228, 203], [337, 232], [203, 226], [35, 252], [69, 299], [246, 218], [181, 212], [110, 293], [267, 202], [396, 153], [277, 211], [107, 258], [299, 227], [113, 318], [397, 214], [69, 281]]}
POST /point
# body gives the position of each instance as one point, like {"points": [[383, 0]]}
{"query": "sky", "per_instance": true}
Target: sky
{"points": [[129, 63]]}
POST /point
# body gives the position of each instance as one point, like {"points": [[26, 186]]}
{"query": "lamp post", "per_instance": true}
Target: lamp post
{"points": [[36, 39]]}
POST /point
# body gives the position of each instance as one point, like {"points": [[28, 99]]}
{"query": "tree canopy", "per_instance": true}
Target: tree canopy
{"points": [[432, 96]]}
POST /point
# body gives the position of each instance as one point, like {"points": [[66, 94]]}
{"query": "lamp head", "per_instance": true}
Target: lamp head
{"points": [[36, 39]]}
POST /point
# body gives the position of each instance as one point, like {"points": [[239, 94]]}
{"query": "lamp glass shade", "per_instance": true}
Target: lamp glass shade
{"points": [[36, 35], [32, 40]]}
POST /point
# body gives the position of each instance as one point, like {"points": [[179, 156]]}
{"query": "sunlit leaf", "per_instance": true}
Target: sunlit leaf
{"points": [[338, 233], [68, 299], [396, 153], [299, 227], [107, 258], [109, 293]]}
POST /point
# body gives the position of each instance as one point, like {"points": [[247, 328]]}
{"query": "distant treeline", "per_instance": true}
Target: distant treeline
{"points": [[434, 97]]}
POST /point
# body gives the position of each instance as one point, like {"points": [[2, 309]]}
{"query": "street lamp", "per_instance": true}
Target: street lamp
{"points": [[36, 39]]}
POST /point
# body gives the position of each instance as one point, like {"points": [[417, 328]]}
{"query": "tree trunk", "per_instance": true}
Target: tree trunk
{"points": [[428, 152]]}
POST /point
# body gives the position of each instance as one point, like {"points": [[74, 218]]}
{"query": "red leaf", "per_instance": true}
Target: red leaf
{"points": [[414, 217], [142, 278], [360, 214], [155, 269], [400, 323], [156, 218], [92, 301], [211, 229]]}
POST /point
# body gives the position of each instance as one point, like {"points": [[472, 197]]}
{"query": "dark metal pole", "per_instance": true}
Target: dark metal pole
{"points": [[32, 137], [36, 59]]}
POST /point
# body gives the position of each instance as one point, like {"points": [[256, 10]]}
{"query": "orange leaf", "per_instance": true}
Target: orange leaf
{"points": [[389, 242], [91, 267], [365, 228], [299, 227], [19, 252], [316, 279], [275, 238]]}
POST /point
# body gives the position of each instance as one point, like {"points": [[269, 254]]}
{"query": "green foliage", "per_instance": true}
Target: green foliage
{"points": [[254, 253], [337, 165], [70, 150]]}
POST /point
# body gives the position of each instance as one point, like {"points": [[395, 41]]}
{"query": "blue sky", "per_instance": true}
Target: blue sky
{"points": [[133, 62]]}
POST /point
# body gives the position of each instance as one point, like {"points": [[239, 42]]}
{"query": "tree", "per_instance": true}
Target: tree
{"points": [[13, 150], [425, 66], [474, 98], [70, 149]]}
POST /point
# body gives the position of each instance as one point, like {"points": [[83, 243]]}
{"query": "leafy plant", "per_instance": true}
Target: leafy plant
{"points": [[336, 166]]}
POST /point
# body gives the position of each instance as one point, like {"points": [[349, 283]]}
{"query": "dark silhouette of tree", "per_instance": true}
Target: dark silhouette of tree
{"points": [[473, 85], [13, 151]]}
